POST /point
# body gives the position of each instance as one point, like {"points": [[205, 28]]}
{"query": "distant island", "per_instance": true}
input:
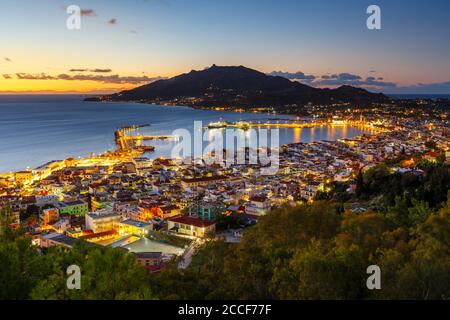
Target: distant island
{"points": [[232, 87]]}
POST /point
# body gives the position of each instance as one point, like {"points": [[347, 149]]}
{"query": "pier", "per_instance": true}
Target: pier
{"points": [[128, 143], [293, 124]]}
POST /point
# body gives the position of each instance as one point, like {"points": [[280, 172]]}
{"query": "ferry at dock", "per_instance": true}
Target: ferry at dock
{"points": [[217, 125], [243, 125]]}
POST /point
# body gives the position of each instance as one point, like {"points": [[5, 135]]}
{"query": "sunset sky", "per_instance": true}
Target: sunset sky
{"points": [[125, 43]]}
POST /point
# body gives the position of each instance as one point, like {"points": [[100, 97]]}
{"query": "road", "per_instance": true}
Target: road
{"points": [[186, 258]]}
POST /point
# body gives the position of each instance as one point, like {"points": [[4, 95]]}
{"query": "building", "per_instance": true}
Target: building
{"points": [[258, 206], [191, 226], [49, 199], [102, 222], [23, 177], [207, 211], [165, 212], [49, 216], [150, 260], [134, 227], [143, 163], [56, 239], [100, 236], [78, 208], [201, 182]]}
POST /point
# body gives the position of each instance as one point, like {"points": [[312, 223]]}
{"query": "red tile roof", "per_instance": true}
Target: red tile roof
{"points": [[204, 179]]}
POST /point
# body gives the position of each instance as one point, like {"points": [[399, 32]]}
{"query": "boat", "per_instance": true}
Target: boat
{"points": [[217, 125], [244, 125]]}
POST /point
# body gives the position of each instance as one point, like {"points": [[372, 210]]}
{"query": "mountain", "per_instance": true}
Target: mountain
{"points": [[232, 86]]}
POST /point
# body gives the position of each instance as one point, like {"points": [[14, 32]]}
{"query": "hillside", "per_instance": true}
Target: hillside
{"points": [[240, 87]]}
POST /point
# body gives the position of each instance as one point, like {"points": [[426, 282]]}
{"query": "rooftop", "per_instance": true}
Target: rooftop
{"points": [[192, 221], [203, 179], [72, 203], [148, 255], [103, 216], [136, 223]]}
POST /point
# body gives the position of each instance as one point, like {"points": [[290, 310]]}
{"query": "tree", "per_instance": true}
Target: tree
{"points": [[430, 144], [360, 187], [31, 213], [420, 268], [21, 266], [312, 252], [106, 273]]}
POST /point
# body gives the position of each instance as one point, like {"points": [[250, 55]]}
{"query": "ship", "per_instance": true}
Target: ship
{"points": [[217, 125], [244, 125]]}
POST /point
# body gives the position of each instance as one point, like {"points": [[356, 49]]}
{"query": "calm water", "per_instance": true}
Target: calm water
{"points": [[419, 96], [38, 129]]}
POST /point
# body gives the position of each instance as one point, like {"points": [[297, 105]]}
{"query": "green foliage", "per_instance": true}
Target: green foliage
{"points": [[316, 251], [430, 144], [431, 187], [6, 218], [420, 268], [31, 213], [232, 221], [313, 252], [106, 273], [360, 186], [21, 266]]}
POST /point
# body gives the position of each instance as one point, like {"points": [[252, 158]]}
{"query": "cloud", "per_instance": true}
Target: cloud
{"points": [[97, 70], [342, 77], [7, 76], [351, 81], [101, 70], [115, 79], [113, 21], [88, 13], [336, 79], [109, 79], [93, 91], [7, 59], [370, 81], [293, 75], [39, 76], [426, 88]]}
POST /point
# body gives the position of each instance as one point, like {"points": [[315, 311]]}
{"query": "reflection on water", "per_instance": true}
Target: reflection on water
{"points": [[45, 129]]}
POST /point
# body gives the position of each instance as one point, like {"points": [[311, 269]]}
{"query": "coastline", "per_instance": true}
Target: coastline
{"points": [[108, 154]]}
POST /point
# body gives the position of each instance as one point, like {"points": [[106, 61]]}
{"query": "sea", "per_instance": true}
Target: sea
{"points": [[419, 96], [36, 129]]}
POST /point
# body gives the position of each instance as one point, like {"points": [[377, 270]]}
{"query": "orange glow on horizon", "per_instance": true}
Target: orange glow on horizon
{"points": [[60, 86]]}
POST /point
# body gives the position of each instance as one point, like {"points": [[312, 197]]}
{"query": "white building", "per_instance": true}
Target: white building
{"points": [[102, 222]]}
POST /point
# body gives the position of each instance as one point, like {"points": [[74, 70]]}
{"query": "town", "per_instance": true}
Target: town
{"points": [[163, 209]]}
